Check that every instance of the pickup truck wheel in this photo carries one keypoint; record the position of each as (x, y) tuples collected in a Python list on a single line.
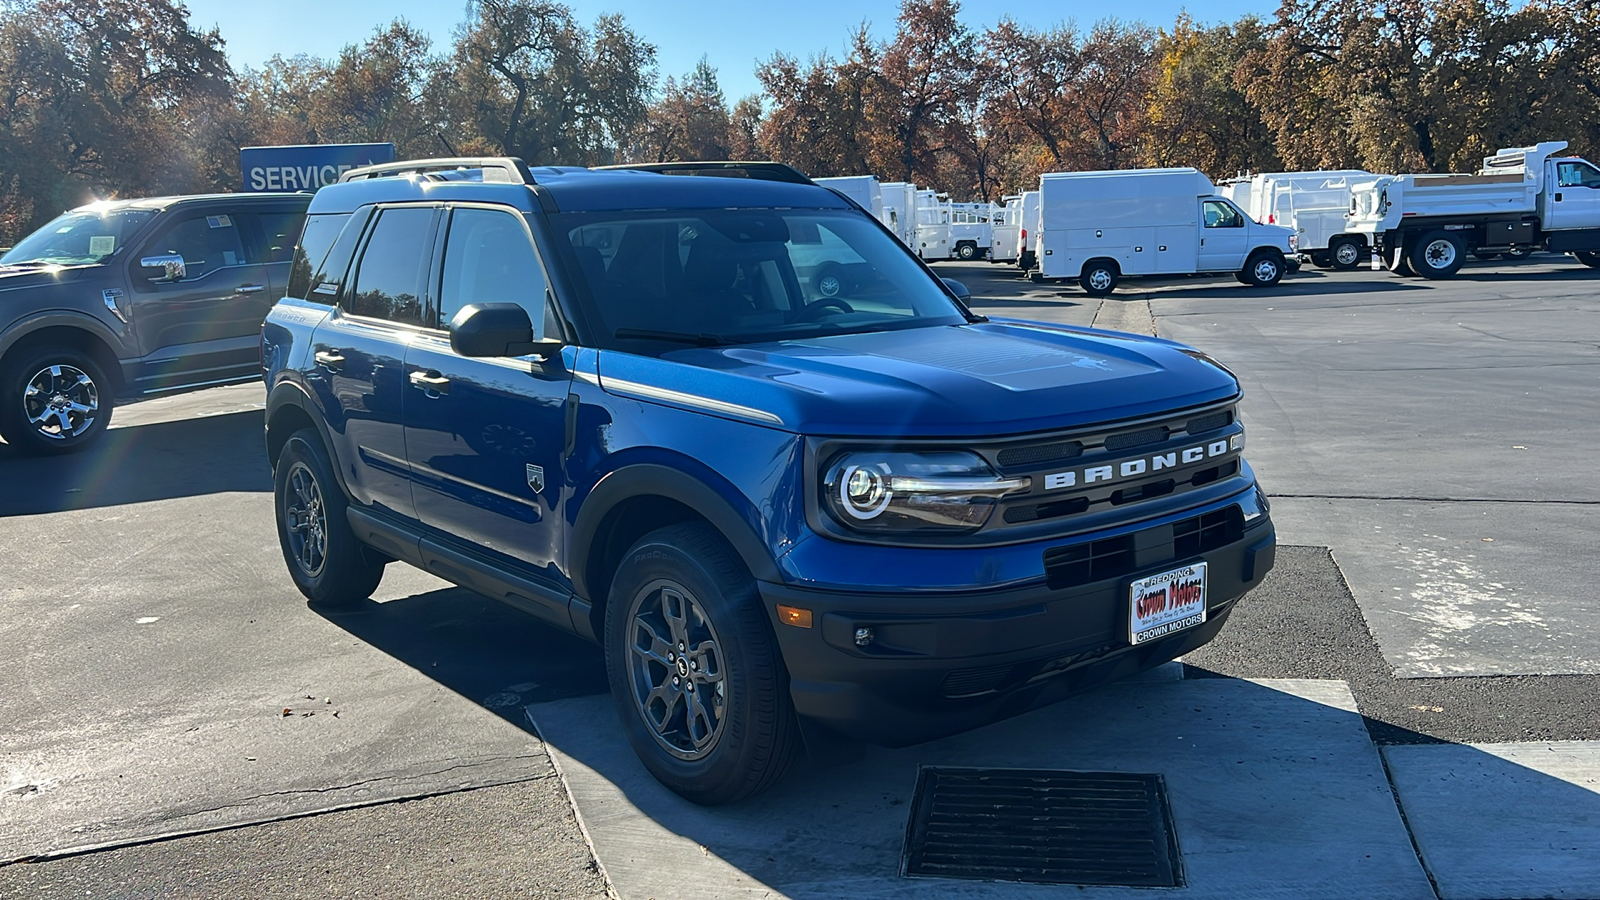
[(1099, 278), (695, 673), (326, 562), (53, 400), (1347, 254), (1264, 268), (1590, 258), (1439, 254)]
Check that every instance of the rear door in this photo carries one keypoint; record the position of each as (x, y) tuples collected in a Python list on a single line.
[(485, 437), (359, 355), (1575, 202), (1224, 239)]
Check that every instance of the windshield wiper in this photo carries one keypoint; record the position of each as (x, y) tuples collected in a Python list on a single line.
[(676, 337)]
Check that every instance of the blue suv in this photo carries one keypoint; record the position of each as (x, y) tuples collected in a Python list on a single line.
[(621, 400)]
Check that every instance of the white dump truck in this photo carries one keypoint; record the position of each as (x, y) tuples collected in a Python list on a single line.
[(1525, 198), (1006, 223), (933, 225), (1316, 205), (1028, 233), (1102, 227), (900, 210)]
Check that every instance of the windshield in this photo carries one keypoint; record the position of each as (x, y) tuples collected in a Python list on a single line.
[(78, 238), (712, 277)]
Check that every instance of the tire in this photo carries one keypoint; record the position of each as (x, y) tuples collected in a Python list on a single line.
[(1264, 268), (1398, 260), (688, 569), (1439, 254), (1347, 254), (53, 400), (1518, 253), (1322, 259), (1590, 258), (1099, 277), (1025, 262), (828, 281), (326, 562), (966, 252)]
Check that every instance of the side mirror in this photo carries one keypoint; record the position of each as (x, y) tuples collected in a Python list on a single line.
[(496, 329), (957, 288), (171, 266)]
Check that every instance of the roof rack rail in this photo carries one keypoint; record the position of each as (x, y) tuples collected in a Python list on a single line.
[(497, 169), (760, 171)]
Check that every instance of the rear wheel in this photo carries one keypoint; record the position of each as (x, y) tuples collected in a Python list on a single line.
[(1347, 254), (1398, 259), (1439, 254), (1590, 258), (53, 400), (695, 672), (967, 251), (1099, 277), (1322, 259), (1264, 268), (327, 563)]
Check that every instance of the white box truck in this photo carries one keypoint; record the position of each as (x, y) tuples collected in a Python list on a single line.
[(1316, 205), (933, 225), (1028, 234), (900, 210), (1006, 225), (1102, 227), (1525, 198), (971, 230), (863, 189)]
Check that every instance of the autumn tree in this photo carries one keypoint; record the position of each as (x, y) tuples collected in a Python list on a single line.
[(1198, 115), (689, 121), (927, 79)]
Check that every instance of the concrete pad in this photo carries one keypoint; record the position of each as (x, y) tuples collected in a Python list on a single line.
[(1275, 789), (1504, 820), (1454, 589)]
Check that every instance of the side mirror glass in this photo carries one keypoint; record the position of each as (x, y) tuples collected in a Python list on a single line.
[(170, 264), (496, 329), (957, 288)]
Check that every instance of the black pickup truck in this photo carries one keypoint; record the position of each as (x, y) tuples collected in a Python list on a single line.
[(128, 298)]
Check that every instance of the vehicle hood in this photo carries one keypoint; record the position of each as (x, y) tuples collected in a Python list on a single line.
[(996, 378), (14, 278)]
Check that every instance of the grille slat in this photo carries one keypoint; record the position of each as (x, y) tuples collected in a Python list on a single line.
[(1042, 826), (1142, 438), (1039, 453)]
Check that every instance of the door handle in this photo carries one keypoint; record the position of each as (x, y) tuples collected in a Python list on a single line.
[(330, 360), (249, 289), (430, 382)]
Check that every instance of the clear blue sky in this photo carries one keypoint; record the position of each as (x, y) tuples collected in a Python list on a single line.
[(733, 34)]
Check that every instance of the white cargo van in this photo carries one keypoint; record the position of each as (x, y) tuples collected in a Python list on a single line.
[(863, 189), (1006, 225), (1028, 233), (1101, 227), (933, 225), (1316, 205), (1525, 198), (900, 210)]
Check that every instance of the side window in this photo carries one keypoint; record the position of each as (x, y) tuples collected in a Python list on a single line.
[(1576, 174), (489, 258), (388, 280), (320, 233), (1222, 215), (206, 243), (280, 229)]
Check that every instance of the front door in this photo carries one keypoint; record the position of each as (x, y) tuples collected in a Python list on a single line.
[(1575, 202), (198, 311), (485, 437), (1224, 239)]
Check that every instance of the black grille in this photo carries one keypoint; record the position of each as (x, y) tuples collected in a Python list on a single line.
[(1043, 827), (966, 682), (1192, 537), (1210, 423), (1143, 438), (1066, 567), (1039, 453)]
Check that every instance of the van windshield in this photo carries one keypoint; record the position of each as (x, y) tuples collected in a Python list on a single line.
[(731, 276), (78, 238)]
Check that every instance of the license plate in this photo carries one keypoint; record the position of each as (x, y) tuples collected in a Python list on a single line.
[(1167, 603)]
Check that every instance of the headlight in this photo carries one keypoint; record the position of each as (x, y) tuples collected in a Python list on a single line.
[(902, 492)]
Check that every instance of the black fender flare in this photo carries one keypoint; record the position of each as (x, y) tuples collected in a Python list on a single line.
[(652, 479), (289, 393), (18, 331)]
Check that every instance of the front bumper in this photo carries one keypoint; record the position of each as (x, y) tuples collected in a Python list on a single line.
[(943, 663)]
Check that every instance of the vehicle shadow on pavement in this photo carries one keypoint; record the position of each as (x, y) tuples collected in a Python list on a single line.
[(1287, 286), (141, 463)]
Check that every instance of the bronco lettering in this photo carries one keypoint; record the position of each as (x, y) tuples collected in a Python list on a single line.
[(1134, 467)]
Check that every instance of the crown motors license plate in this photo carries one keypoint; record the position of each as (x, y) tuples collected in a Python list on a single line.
[(1170, 602)]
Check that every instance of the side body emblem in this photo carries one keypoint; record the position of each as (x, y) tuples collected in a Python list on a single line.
[(536, 477)]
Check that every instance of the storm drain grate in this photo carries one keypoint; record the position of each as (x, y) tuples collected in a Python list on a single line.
[(1042, 826)]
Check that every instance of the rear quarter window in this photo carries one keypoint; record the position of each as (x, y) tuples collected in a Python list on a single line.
[(321, 258)]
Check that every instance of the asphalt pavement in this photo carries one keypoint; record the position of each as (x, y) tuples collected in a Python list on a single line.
[(176, 722)]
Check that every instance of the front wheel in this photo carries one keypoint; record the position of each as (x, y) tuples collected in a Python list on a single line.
[(1099, 278), (1264, 268), (1590, 258), (1347, 254), (695, 672), (53, 400), (1439, 254), (326, 562)]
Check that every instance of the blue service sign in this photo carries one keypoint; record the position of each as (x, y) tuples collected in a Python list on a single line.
[(306, 167)]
